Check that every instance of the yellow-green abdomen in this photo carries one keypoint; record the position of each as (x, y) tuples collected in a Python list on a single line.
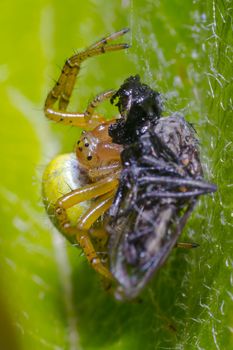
[(62, 175)]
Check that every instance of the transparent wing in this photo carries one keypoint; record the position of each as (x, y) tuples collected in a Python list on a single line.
[(142, 234)]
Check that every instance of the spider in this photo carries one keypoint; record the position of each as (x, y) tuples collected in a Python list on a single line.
[(131, 184), (79, 188)]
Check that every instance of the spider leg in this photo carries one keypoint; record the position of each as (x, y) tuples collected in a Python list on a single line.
[(63, 88), (95, 102), (99, 207), (104, 170), (79, 195), (83, 237), (85, 243), (73, 118), (88, 119), (81, 231), (109, 38), (109, 151), (72, 66)]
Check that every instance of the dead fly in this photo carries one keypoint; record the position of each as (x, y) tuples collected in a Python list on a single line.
[(160, 182)]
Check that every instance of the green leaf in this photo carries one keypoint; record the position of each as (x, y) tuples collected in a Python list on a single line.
[(50, 297)]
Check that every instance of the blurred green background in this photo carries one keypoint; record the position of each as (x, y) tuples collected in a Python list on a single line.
[(49, 297)]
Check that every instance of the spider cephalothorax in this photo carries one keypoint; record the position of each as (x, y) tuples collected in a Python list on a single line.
[(96, 152)]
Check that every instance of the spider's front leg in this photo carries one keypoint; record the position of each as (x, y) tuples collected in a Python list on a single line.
[(63, 88), (104, 190)]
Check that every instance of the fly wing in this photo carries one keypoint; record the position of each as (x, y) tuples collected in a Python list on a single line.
[(160, 182), (142, 237)]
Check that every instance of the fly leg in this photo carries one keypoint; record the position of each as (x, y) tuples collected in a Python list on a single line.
[(186, 245)]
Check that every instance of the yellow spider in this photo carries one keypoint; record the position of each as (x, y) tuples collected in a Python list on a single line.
[(79, 188)]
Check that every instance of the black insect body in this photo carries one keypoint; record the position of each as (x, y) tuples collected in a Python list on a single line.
[(160, 183)]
